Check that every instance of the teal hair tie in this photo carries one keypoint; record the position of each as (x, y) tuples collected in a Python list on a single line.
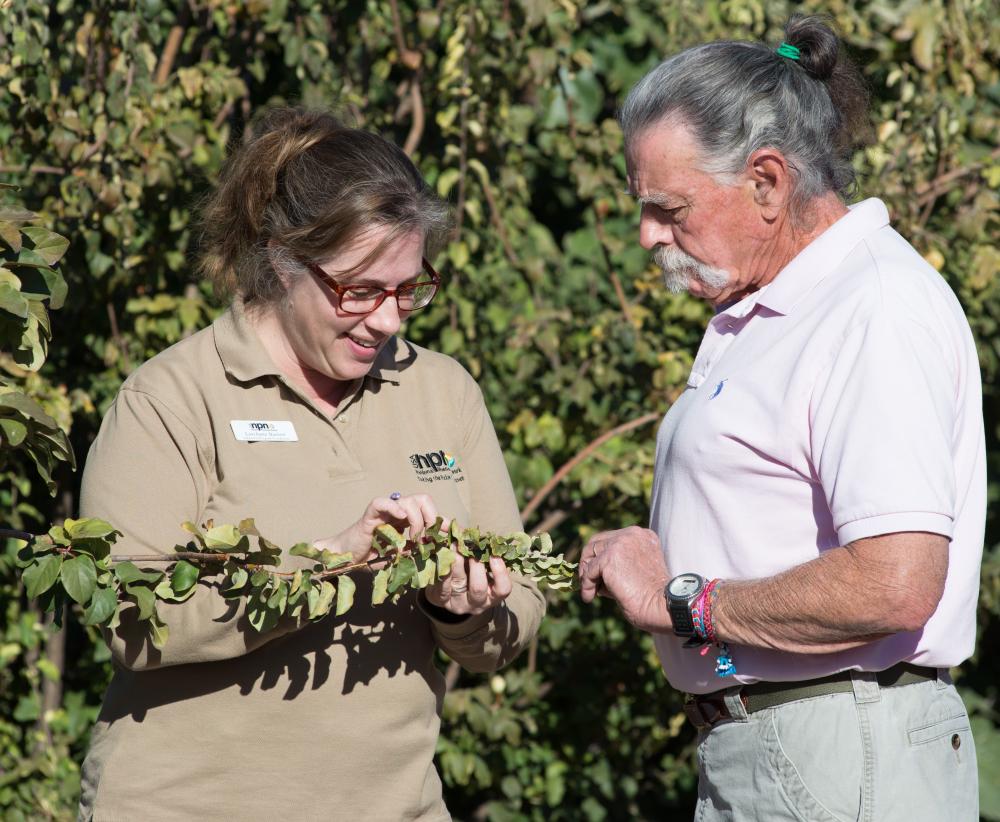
[(789, 51)]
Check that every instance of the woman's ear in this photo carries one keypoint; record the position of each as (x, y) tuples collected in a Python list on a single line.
[(280, 261)]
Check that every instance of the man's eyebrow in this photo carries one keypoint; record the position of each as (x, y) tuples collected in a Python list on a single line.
[(657, 198)]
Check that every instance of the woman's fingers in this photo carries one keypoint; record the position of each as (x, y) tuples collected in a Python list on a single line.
[(479, 585), (502, 584)]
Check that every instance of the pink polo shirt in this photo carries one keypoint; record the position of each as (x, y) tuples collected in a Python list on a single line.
[(841, 401)]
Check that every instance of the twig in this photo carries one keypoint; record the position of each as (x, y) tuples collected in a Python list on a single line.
[(615, 281), (561, 474), (13, 533), (117, 337), (451, 675), (928, 192), (417, 123), (170, 50), (35, 169), (407, 56), (498, 224), (463, 164)]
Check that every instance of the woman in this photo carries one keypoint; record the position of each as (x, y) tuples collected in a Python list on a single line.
[(319, 231)]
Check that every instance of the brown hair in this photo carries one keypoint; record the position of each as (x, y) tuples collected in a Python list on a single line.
[(306, 184)]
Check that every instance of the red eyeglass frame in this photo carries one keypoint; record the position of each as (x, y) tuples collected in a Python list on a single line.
[(340, 290)]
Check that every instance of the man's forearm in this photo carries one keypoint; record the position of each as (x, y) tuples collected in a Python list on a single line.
[(844, 598)]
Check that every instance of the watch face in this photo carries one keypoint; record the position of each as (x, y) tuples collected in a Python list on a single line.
[(685, 585)]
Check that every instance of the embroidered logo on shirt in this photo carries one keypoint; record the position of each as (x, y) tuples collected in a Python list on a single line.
[(718, 389), (435, 466)]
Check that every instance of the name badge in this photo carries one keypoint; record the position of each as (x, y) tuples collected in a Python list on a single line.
[(264, 430)]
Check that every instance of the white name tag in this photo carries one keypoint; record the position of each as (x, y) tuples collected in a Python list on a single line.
[(264, 430)]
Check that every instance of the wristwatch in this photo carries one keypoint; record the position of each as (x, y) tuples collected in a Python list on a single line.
[(681, 593)]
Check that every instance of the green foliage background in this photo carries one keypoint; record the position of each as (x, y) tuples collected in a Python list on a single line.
[(115, 119)]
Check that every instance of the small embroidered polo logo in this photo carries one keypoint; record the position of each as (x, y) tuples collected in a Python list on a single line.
[(718, 389), (435, 466)]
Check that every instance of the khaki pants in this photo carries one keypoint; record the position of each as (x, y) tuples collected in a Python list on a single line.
[(875, 755)]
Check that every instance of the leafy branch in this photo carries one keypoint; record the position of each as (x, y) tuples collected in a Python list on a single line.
[(75, 562)]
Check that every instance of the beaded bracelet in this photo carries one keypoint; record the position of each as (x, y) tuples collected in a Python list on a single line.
[(724, 665)]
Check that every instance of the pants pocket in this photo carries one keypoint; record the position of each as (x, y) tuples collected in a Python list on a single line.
[(946, 727), (816, 754)]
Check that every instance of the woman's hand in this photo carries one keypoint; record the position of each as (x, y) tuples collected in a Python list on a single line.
[(468, 590), (415, 512)]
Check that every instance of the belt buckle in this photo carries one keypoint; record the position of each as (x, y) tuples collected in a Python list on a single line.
[(702, 713)]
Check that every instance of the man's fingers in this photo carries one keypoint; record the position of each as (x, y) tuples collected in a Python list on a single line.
[(590, 578)]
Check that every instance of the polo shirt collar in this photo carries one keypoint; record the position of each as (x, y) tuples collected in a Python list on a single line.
[(245, 358), (823, 255), (240, 349)]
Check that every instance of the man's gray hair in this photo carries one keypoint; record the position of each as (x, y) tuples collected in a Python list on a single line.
[(738, 97)]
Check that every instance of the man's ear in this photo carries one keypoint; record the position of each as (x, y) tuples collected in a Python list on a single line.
[(771, 176)]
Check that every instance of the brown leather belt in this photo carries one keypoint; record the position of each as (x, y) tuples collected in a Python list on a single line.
[(707, 710)]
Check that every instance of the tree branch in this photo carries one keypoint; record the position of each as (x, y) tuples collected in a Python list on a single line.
[(174, 40), (928, 192), (417, 124), (562, 473)]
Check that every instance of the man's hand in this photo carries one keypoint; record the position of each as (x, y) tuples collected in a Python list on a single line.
[(628, 566)]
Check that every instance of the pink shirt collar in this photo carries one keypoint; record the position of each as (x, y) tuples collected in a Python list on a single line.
[(821, 256)]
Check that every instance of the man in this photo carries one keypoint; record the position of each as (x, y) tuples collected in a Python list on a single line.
[(819, 499)]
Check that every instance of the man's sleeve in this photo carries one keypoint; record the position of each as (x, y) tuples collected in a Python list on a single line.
[(882, 418), (147, 473), (490, 640)]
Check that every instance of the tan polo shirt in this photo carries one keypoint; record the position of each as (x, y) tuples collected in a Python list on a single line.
[(334, 720)]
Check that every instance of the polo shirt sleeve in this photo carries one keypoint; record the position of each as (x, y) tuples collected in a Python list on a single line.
[(146, 473), (882, 422), (490, 640)]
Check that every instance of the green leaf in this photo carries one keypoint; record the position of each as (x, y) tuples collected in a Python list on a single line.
[(320, 604), (89, 528), (10, 235), (158, 631), (304, 549), (445, 559), (48, 245), (14, 431), (127, 572), (38, 578), (28, 709), (345, 594), (183, 577), (388, 537), (426, 574), (29, 408), (48, 669), (79, 578), (331, 560), (102, 607), (195, 531), (402, 573), (145, 599), (238, 580), (13, 301), (380, 587), (222, 538)]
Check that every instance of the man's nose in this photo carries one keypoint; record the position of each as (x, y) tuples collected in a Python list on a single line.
[(653, 230)]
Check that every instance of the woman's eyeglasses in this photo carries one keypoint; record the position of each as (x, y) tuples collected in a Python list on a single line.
[(363, 299)]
